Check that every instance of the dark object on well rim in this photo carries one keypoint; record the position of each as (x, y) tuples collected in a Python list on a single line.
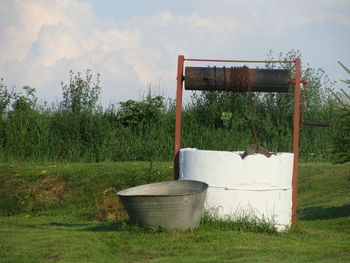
[(253, 149)]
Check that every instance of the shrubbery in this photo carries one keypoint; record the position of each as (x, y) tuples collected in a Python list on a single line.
[(341, 136), (79, 129)]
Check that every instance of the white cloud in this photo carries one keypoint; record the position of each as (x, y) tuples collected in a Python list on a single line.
[(21, 21), (42, 40)]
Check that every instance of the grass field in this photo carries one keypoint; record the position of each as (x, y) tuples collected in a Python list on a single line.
[(69, 213)]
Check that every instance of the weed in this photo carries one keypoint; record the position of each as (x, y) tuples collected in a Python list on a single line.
[(243, 220)]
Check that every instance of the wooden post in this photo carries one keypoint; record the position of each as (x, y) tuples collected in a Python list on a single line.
[(296, 140), (177, 145)]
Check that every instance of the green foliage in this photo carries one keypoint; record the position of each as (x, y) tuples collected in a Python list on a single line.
[(81, 94), (80, 137), (341, 136), (21, 126), (78, 129), (5, 100), (17, 100), (314, 141), (244, 221), (25, 102), (6, 96), (138, 113)]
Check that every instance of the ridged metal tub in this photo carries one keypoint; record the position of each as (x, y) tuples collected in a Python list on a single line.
[(171, 204)]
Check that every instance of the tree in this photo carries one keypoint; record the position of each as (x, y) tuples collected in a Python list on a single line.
[(81, 94), (138, 113), (24, 102), (341, 138), (6, 96)]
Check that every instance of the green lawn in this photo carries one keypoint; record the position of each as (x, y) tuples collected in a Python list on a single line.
[(69, 213)]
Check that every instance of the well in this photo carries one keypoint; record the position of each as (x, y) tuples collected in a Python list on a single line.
[(257, 186), (273, 197)]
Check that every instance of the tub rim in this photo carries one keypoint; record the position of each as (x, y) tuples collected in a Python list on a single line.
[(202, 189)]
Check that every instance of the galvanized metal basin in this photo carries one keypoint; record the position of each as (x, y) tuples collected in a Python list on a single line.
[(171, 204)]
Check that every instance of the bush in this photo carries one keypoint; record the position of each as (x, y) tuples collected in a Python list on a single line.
[(341, 137), (78, 129), (81, 94), (138, 113)]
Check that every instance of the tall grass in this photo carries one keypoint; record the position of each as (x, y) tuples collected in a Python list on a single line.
[(79, 130), (94, 137)]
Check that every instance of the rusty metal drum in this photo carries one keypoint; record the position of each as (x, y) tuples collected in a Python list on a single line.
[(236, 79)]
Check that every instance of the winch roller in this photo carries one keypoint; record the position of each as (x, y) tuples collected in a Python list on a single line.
[(236, 79)]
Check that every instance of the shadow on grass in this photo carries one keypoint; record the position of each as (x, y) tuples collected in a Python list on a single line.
[(124, 225), (324, 213), (66, 225), (120, 225)]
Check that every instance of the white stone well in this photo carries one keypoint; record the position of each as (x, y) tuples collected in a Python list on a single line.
[(257, 185)]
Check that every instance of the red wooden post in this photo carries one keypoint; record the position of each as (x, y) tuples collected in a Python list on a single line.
[(180, 68), (296, 140)]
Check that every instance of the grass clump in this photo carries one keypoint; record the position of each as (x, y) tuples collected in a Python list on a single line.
[(243, 221)]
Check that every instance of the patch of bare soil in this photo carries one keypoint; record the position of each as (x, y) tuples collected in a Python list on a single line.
[(49, 189), (109, 207)]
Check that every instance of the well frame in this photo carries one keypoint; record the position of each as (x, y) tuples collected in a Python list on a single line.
[(296, 120)]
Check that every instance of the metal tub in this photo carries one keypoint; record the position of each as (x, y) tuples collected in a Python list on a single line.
[(171, 204)]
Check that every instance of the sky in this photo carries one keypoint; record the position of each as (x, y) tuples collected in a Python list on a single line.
[(134, 45)]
